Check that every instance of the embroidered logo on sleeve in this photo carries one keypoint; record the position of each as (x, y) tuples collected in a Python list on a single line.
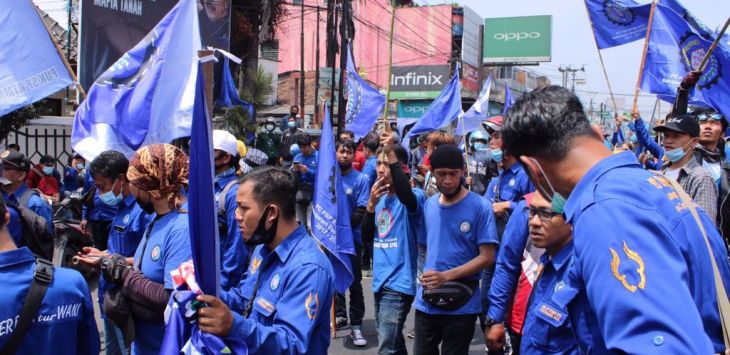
[(635, 257), (312, 305)]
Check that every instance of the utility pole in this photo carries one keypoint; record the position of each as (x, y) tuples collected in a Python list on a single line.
[(569, 74), (332, 48), (301, 68), (344, 40), (316, 71)]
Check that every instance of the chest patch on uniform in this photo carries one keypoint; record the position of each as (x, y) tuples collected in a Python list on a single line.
[(559, 285), (348, 191), (255, 263), (265, 304), (552, 315), (275, 282), (125, 219), (155, 254), (385, 222), (311, 305), (465, 227), (511, 182)]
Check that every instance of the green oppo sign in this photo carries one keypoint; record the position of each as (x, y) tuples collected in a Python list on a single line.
[(517, 39)]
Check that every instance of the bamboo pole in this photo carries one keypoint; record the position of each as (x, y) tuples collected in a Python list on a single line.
[(390, 68), (635, 106)]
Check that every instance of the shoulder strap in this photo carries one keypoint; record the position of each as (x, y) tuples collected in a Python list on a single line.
[(25, 197), (222, 196), (722, 298), (41, 279)]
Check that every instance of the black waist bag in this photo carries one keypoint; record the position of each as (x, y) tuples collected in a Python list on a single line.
[(451, 295)]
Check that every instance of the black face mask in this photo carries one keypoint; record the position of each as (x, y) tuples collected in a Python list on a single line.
[(345, 167), (261, 235), (146, 207), (456, 192)]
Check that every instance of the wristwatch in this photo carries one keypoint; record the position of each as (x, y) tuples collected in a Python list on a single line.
[(490, 322)]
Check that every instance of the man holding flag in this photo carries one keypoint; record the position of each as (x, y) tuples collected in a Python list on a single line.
[(283, 305)]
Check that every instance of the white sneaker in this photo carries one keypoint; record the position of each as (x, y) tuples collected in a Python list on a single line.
[(357, 338)]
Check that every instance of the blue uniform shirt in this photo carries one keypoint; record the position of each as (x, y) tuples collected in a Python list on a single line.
[(453, 236), (358, 193), (641, 264), (65, 321), (369, 170), (165, 247), (291, 309), (36, 203), (14, 227), (311, 162), (70, 179), (100, 211), (643, 137), (545, 331), (234, 253), (394, 247), (510, 185), (509, 258)]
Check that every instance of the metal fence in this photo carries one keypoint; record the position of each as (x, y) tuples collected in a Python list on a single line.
[(37, 142)]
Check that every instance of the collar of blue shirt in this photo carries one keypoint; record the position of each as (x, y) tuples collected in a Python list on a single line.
[(14, 257), (560, 258), (289, 243), (129, 200), (585, 184)]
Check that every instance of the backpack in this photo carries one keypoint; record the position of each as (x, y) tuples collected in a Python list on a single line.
[(222, 211), (35, 233)]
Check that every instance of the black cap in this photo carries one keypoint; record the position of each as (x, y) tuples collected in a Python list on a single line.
[(447, 156), (682, 123), (15, 160)]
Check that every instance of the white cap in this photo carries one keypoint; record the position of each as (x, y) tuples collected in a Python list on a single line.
[(223, 140)]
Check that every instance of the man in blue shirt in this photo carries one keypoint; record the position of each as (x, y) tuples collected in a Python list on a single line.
[(64, 323), (369, 169), (358, 193), (73, 174), (283, 306), (109, 171), (461, 239), (233, 253), (96, 217), (642, 280), (305, 166), (543, 333), (394, 213), (15, 169)]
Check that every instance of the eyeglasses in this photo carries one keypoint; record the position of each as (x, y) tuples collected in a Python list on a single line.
[(709, 116), (544, 214)]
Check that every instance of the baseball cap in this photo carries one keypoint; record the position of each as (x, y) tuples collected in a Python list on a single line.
[(15, 160), (493, 124), (225, 141), (682, 123)]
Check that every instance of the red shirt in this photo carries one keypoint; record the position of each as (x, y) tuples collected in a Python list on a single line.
[(359, 161)]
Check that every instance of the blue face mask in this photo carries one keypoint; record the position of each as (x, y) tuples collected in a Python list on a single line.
[(80, 166), (478, 146), (676, 154), (109, 198), (48, 170), (557, 201), (497, 155), (633, 139), (291, 124)]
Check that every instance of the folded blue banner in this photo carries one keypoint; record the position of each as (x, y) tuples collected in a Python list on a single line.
[(204, 242), (617, 22), (228, 95), (331, 220), (364, 103), (444, 108), (508, 100), (675, 48), (30, 67), (478, 112), (147, 95)]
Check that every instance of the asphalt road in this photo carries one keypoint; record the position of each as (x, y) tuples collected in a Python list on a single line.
[(342, 344)]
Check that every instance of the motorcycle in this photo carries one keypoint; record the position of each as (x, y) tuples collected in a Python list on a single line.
[(69, 239)]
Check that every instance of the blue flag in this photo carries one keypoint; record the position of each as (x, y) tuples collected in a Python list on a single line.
[(204, 242), (444, 109), (330, 219), (30, 67), (364, 103), (478, 112), (617, 22), (675, 48), (228, 96), (508, 101), (147, 95)]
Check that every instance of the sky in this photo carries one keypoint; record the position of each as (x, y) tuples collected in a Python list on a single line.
[(573, 44)]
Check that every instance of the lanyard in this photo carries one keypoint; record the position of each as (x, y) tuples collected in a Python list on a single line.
[(249, 305), (145, 239)]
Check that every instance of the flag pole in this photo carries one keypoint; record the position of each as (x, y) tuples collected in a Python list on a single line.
[(390, 68), (635, 106), (714, 44), (60, 52), (600, 57), (466, 149)]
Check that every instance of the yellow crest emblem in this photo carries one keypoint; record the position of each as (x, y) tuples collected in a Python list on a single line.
[(631, 255), (312, 305), (255, 263)]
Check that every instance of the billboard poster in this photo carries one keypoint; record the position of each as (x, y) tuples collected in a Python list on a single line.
[(515, 40), (471, 39), (418, 81), (109, 28)]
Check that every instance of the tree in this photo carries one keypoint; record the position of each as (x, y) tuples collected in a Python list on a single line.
[(20, 117), (261, 87)]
